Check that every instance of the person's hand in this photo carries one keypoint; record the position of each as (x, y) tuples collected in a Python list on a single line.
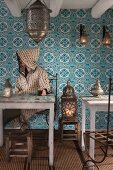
[(44, 93)]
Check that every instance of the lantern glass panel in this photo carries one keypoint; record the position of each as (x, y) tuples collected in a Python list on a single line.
[(69, 109)]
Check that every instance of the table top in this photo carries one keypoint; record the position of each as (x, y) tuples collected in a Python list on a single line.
[(90, 98), (32, 98), (97, 100)]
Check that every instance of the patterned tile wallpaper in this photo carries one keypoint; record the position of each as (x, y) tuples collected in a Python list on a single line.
[(61, 52)]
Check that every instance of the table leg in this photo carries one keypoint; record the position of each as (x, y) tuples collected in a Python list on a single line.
[(92, 142), (1, 128), (83, 125), (51, 135)]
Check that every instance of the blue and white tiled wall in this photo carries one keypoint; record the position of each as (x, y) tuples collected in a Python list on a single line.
[(61, 52)]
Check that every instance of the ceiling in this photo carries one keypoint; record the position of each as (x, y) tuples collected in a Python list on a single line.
[(98, 7)]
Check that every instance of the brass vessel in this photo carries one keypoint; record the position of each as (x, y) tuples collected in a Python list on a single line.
[(97, 90), (68, 90)]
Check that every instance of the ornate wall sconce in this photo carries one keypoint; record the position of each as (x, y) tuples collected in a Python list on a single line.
[(106, 37), (38, 17), (83, 35)]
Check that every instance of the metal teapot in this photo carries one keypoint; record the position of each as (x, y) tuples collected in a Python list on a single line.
[(97, 90)]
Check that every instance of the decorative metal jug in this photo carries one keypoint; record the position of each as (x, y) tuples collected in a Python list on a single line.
[(97, 90), (7, 88)]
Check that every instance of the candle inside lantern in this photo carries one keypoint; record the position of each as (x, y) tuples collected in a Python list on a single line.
[(69, 113), (69, 110)]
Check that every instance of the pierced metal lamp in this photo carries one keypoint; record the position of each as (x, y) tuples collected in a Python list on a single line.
[(38, 18)]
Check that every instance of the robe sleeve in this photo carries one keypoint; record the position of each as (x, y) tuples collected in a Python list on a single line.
[(44, 81), (21, 84)]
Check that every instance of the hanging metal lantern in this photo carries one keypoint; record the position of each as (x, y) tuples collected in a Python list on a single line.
[(68, 102), (38, 18)]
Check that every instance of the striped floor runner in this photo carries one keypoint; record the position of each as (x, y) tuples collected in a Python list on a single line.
[(66, 157)]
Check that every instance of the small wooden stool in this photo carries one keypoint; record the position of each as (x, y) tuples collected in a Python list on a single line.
[(69, 134), (19, 144)]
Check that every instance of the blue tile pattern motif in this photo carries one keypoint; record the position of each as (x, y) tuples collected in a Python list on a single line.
[(95, 28), (61, 52)]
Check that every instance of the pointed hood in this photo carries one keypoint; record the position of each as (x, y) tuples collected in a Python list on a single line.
[(29, 57)]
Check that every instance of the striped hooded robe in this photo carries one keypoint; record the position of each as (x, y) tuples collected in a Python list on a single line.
[(36, 80)]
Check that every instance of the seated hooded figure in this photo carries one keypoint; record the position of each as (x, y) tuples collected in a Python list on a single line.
[(32, 79)]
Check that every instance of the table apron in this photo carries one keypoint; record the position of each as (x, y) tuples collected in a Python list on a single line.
[(26, 105)]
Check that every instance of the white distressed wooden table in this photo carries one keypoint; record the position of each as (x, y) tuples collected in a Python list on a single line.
[(31, 102), (94, 104)]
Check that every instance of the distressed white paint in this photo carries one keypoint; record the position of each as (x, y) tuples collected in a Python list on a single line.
[(14, 7), (98, 6), (78, 4), (31, 102), (94, 104), (101, 7), (55, 6)]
